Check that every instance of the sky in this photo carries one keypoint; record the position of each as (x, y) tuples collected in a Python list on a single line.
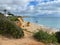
[(31, 7)]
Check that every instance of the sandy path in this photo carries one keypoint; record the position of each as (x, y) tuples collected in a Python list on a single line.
[(26, 40)]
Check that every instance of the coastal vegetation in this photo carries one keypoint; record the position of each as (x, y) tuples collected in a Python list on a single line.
[(58, 36), (13, 18), (9, 28), (45, 37)]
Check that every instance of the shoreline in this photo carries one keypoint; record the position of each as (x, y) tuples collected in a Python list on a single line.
[(43, 26), (48, 22), (50, 28)]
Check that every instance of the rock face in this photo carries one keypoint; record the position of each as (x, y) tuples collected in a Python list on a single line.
[(21, 23)]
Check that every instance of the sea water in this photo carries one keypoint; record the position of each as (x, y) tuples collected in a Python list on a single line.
[(53, 22)]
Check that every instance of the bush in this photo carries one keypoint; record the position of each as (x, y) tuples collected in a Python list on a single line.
[(13, 18), (58, 36), (9, 28), (45, 37)]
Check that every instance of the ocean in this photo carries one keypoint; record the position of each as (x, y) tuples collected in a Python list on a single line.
[(53, 22)]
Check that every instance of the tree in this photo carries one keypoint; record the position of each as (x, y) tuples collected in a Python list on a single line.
[(9, 13), (5, 11), (58, 36)]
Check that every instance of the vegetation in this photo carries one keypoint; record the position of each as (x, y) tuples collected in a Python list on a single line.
[(58, 36), (5, 11), (13, 18), (45, 37), (9, 28), (9, 13)]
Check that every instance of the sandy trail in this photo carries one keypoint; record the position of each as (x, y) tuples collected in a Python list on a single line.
[(26, 40)]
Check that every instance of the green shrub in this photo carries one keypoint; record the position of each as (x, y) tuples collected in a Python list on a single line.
[(45, 37), (58, 36), (13, 18), (9, 28)]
